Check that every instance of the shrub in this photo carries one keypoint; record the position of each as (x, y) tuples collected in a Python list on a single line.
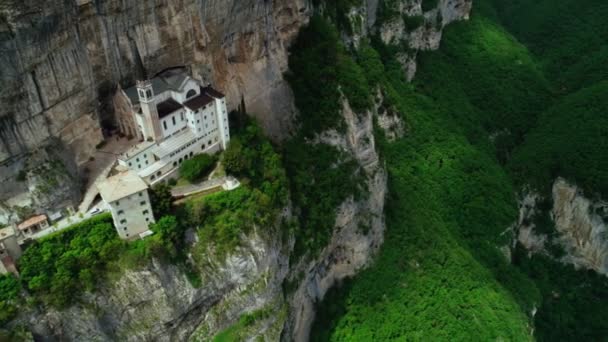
[(196, 167), (413, 22), (428, 5), (161, 200), (60, 267)]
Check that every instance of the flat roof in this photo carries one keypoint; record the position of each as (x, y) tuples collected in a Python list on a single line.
[(121, 186), (6, 232), (152, 168), (31, 221), (199, 101), (173, 143), (137, 149), (167, 107)]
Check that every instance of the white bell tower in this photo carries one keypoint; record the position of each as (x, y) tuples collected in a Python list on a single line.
[(151, 126)]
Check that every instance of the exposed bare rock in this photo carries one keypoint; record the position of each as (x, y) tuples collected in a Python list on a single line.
[(351, 247), (581, 223), (426, 35), (580, 227), (62, 60), (526, 235), (158, 303)]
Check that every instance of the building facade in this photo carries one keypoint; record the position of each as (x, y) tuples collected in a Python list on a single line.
[(10, 251), (175, 117), (126, 195), (33, 225)]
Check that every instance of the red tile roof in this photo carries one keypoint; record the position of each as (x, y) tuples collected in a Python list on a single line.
[(198, 102), (31, 221), (167, 107)]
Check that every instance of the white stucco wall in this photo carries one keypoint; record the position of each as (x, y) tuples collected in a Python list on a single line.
[(132, 215), (169, 127)]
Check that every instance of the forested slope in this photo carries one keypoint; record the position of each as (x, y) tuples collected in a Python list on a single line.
[(494, 110)]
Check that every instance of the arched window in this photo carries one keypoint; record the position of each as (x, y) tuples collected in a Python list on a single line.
[(190, 93)]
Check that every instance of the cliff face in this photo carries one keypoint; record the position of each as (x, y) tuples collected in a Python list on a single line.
[(62, 60), (158, 302), (352, 248), (59, 56), (419, 28), (580, 227), (241, 47)]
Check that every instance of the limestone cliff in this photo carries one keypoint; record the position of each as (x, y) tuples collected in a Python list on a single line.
[(409, 23), (241, 47), (62, 60), (157, 302), (351, 247), (579, 227)]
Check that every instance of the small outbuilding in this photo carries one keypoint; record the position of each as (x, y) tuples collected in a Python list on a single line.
[(10, 251), (126, 194), (32, 226)]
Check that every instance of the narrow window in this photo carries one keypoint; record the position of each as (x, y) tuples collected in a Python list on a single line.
[(182, 115), (173, 119), (165, 125), (141, 194)]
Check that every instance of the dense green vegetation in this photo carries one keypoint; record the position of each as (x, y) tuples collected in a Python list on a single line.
[(238, 331), (321, 70), (195, 168), (487, 115), (9, 297), (570, 141), (59, 267), (568, 40), (223, 218), (320, 176)]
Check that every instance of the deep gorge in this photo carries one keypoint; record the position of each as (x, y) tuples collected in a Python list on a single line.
[(436, 170)]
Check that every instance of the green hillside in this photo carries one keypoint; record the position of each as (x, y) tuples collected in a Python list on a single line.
[(492, 110)]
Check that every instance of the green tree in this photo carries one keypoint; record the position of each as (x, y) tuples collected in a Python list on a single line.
[(161, 200), (198, 166), (235, 160)]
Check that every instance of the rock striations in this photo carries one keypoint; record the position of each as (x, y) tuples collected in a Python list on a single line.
[(61, 62), (65, 56)]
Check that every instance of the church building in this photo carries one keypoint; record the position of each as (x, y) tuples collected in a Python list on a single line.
[(174, 117)]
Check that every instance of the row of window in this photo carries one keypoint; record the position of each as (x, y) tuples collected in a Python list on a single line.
[(140, 194)]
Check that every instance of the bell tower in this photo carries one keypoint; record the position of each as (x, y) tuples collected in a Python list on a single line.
[(151, 127)]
